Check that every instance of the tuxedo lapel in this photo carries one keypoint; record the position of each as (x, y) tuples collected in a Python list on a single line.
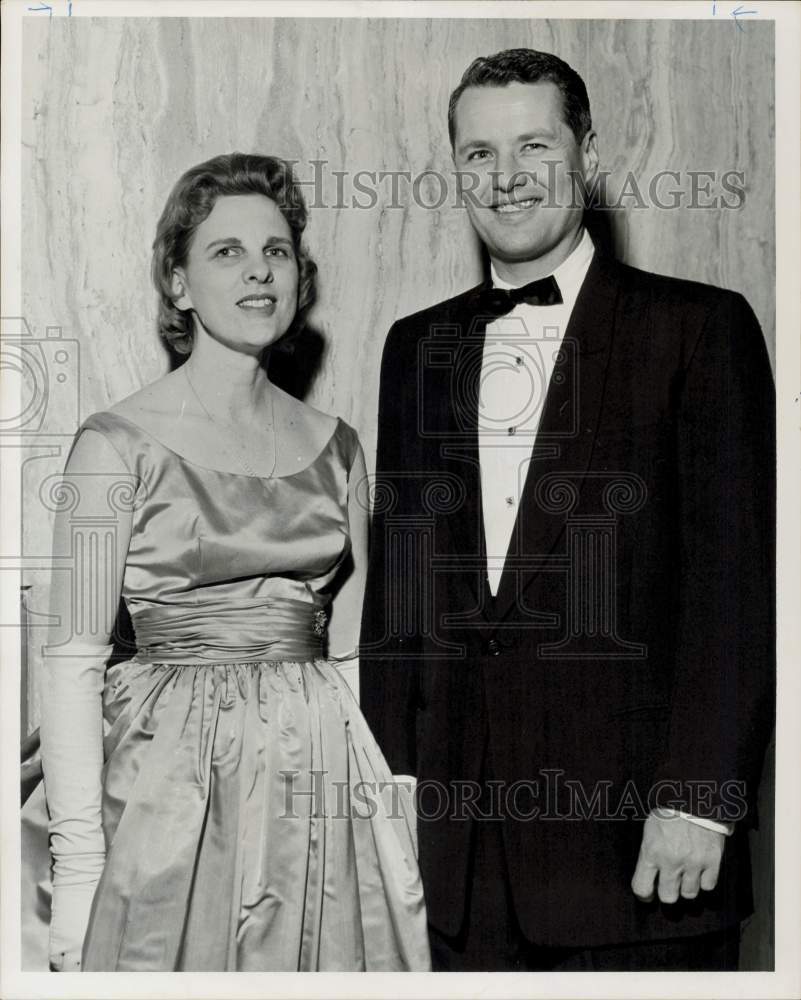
[(567, 429), (453, 371)]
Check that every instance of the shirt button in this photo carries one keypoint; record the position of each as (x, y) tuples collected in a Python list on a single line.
[(494, 647), (510, 501), (511, 430)]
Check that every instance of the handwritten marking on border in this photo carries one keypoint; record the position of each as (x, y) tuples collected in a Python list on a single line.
[(49, 8), (736, 13)]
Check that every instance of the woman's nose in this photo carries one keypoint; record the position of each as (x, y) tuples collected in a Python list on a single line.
[(258, 269)]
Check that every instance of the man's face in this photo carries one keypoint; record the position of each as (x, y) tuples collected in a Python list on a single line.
[(521, 199)]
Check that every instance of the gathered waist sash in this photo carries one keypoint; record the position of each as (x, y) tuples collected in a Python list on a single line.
[(230, 632)]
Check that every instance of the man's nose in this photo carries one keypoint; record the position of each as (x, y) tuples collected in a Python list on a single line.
[(509, 174)]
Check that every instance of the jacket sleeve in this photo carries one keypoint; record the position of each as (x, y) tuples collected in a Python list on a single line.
[(724, 681), (388, 671)]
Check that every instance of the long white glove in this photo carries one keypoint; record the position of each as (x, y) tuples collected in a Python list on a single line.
[(72, 761)]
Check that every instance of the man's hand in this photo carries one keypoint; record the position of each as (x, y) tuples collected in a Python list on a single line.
[(680, 856)]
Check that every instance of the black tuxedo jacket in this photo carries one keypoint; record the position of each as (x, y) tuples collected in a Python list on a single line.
[(628, 659)]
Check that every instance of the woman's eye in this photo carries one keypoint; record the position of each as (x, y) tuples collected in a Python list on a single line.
[(227, 252), (276, 251)]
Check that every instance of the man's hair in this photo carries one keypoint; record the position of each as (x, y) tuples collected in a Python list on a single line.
[(527, 66), (190, 202)]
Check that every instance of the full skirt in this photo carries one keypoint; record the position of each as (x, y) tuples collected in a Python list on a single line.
[(252, 824)]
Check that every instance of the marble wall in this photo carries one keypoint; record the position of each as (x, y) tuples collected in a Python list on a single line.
[(115, 109)]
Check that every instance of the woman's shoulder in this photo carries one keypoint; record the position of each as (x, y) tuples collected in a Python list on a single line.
[(124, 426), (155, 402), (325, 428), (148, 413), (314, 422)]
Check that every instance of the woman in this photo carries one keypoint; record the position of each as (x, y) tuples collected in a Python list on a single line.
[(248, 821)]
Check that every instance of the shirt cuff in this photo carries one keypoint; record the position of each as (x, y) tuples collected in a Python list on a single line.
[(727, 829)]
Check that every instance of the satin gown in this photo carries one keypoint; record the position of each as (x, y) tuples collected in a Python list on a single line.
[(250, 819)]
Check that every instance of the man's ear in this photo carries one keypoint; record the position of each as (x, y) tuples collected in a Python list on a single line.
[(589, 155), (180, 295)]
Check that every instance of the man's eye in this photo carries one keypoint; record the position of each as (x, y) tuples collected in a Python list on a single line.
[(534, 145), (478, 154)]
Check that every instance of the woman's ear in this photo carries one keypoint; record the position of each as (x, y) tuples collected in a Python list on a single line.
[(180, 294)]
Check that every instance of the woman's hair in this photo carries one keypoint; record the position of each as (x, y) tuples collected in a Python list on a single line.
[(191, 201)]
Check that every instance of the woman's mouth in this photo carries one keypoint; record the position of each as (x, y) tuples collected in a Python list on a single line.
[(264, 303)]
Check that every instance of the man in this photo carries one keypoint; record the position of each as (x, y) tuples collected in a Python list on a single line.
[(568, 633)]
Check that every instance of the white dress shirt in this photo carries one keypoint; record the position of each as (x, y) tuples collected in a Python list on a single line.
[(517, 364)]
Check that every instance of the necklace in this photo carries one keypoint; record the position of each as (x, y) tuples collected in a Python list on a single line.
[(232, 437)]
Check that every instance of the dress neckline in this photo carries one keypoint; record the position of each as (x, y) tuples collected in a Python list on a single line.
[(222, 472)]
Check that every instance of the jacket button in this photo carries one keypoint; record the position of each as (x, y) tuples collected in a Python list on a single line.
[(494, 647)]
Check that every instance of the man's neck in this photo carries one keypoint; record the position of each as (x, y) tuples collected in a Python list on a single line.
[(522, 272)]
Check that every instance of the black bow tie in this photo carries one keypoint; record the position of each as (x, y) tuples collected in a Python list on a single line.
[(499, 301)]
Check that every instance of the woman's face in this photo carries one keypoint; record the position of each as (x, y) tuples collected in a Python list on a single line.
[(240, 278)]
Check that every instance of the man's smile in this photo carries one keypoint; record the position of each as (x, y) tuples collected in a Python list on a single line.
[(512, 207)]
